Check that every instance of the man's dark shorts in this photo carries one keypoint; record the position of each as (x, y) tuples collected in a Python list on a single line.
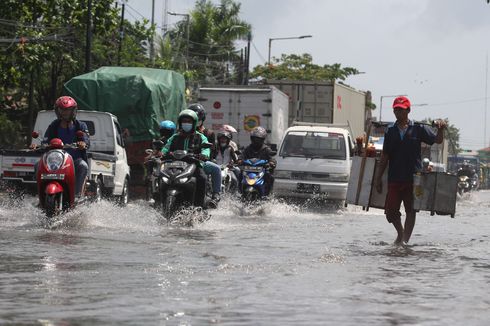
[(398, 192)]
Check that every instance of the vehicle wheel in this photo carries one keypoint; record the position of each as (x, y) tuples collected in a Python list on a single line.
[(124, 198), (52, 204), (97, 197), (168, 207)]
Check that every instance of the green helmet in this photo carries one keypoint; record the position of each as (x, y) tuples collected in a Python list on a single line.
[(187, 114)]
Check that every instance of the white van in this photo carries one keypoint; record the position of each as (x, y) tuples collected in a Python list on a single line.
[(314, 161)]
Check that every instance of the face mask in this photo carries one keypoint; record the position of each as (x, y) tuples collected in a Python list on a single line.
[(187, 127), (223, 144)]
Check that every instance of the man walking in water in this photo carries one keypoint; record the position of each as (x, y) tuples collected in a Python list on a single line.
[(401, 149)]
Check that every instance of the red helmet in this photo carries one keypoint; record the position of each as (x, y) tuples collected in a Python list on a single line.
[(65, 103)]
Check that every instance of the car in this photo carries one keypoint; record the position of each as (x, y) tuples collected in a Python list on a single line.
[(314, 161)]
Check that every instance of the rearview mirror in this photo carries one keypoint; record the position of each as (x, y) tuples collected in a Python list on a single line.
[(273, 153), (35, 134), (80, 134)]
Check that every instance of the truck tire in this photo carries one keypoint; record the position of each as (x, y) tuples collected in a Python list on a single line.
[(124, 197), (98, 186)]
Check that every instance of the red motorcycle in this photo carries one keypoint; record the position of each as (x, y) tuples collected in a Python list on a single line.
[(56, 178)]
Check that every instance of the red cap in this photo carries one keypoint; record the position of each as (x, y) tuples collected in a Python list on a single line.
[(401, 102)]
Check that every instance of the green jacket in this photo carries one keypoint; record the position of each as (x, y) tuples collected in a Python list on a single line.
[(185, 141)]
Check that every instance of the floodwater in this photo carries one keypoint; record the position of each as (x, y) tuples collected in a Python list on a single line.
[(284, 266)]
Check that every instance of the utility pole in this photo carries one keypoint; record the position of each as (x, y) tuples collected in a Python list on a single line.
[(247, 60), (88, 40), (121, 33), (152, 41), (485, 140)]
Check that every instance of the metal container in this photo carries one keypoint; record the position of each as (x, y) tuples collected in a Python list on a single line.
[(363, 193), (435, 192)]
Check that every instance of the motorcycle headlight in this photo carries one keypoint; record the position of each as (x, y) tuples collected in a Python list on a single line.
[(165, 179), (54, 160), (251, 181), (183, 180)]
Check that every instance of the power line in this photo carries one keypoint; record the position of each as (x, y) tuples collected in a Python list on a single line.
[(258, 52)]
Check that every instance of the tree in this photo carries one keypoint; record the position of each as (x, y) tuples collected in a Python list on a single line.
[(45, 47), (301, 67), (213, 30), (451, 134)]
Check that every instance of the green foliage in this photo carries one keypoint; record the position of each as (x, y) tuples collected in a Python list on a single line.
[(301, 67), (51, 49), (10, 133), (451, 134), (211, 52)]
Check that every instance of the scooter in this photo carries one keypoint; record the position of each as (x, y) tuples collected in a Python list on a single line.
[(56, 181), (153, 164), (253, 183), (229, 181), (177, 184), (464, 184)]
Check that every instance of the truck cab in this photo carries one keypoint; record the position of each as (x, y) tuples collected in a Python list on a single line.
[(107, 159), (314, 161)]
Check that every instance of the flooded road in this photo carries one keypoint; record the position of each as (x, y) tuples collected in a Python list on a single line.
[(284, 267)]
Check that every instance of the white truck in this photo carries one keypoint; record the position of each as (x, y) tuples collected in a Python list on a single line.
[(314, 161), (108, 167), (245, 108)]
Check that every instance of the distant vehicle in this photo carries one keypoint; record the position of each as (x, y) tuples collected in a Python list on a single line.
[(246, 108), (314, 160)]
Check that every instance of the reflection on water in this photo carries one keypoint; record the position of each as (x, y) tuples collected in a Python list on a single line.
[(276, 264)]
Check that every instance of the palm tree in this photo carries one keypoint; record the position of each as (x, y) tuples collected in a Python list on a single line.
[(211, 49)]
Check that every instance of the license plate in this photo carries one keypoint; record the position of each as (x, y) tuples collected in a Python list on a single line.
[(308, 188), (254, 169), (46, 176), (173, 165)]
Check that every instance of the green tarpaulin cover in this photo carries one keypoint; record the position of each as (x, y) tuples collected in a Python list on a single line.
[(139, 97)]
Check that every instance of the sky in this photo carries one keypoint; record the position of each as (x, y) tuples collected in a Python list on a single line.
[(433, 51)]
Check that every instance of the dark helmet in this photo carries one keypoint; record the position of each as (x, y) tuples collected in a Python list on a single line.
[(65, 103), (199, 109), (188, 114), (259, 132), (167, 128), (257, 136)]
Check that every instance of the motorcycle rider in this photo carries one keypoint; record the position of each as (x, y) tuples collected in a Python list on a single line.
[(188, 138), (467, 170), (258, 149), (210, 168), (65, 127), (166, 129), (226, 155)]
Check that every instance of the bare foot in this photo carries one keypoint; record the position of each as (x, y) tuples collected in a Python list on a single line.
[(398, 240)]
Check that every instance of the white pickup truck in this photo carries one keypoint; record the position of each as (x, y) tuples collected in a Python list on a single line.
[(108, 167), (314, 161)]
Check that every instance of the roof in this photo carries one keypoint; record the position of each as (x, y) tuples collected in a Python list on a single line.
[(318, 129), (486, 149)]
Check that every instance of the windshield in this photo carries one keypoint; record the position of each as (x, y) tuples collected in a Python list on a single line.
[(314, 145)]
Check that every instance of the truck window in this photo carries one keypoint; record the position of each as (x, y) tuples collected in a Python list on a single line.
[(314, 145), (119, 139), (90, 126)]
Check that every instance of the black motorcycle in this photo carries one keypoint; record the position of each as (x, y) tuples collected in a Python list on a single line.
[(177, 183)]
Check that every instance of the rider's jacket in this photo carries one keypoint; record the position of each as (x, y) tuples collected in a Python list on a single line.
[(188, 142), (225, 155), (263, 153), (68, 136)]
